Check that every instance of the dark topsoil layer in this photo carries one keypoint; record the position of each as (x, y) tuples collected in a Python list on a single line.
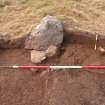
[(64, 87)]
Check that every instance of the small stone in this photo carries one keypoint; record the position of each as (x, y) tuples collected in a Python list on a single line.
[(37, 56), (52, 51), (101, 50)]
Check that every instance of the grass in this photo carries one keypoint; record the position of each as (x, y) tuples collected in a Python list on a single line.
[(4, 3), (17, 17)]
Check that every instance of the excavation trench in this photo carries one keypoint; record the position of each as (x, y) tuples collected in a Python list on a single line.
[(78, 49), (74, 87)]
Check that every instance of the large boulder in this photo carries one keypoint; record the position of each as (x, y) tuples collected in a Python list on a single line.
[(48, 32)]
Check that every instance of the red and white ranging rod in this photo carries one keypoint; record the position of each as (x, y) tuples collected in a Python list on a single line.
[(55, 67)]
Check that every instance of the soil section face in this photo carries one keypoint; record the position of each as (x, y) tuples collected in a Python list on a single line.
[(74, 87)]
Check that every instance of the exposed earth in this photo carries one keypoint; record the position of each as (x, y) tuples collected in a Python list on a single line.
[(74, 87)]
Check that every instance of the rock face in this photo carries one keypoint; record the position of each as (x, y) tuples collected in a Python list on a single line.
[(48, 32), (37, 56)]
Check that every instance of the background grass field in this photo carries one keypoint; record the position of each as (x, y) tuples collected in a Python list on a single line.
[(17, 17)]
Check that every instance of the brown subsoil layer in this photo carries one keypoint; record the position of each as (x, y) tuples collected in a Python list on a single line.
[(64, 87)]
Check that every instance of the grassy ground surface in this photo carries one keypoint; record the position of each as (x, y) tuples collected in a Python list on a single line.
[(17, 17)]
